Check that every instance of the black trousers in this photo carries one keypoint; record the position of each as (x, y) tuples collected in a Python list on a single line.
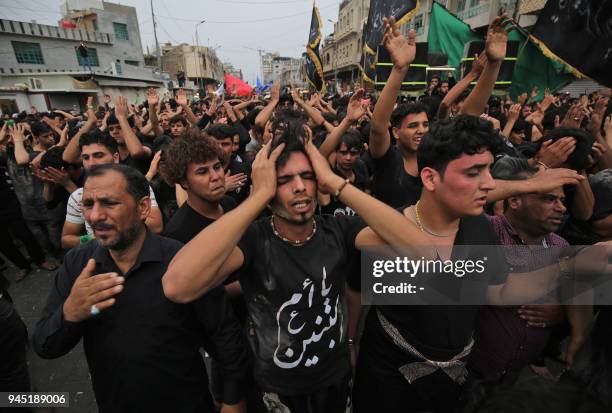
[(19, 229), (380, 387), (332, 399), (13, 346)]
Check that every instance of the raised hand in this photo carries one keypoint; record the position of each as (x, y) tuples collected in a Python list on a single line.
[(18, 132), (275, 92), (152, 98), (89, 290), (263, 172), (181, 97), (478, 64), (121, 107), (106, 99), (552, 178), (328, 182), (497, 39), (355, 109), (554, 154), (514, 112), (401, 50)]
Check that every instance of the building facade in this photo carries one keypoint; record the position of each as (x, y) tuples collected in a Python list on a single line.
[(283, 69), (41, 65), (231, 70), (341, 51), (199, 64)]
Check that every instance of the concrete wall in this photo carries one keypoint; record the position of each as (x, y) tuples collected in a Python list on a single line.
[(130, 49)]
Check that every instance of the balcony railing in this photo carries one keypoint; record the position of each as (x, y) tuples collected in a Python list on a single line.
[(52, 32)]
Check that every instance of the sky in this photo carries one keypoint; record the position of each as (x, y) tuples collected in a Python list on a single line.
[(235, 28)]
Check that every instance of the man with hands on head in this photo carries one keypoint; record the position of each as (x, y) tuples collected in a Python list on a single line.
[(280, 280), (142, 349)]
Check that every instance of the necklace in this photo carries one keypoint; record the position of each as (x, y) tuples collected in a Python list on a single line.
[(295, 243), (417, 218)]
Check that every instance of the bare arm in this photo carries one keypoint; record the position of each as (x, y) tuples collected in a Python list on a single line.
[(153, 102), (353, 113), (584, 200), (266, 113), (402, 52), (312, 113), (452, 95), (495, 49), (72, 153), (154, 221), (71, 234), (181, 99), (545, 180), (133, 144), (21, 154)]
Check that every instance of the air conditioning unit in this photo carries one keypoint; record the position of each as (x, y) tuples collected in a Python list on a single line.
[(36, 83), (116, 68)]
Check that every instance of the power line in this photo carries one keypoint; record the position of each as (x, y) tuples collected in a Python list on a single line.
[(246, 21)]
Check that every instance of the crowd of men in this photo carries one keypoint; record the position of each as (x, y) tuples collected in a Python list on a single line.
[(234, 225)]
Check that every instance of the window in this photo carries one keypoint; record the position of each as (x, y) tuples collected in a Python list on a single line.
[(474, 3), (93, 57), (461, 5), (29, 53), (132, 62), (94, 22), (418, 24), (121, 32)]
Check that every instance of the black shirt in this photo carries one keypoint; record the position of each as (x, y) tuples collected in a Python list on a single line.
[(440, 332), (337, 207), (143, 352), (187, 222), (392, 184), (295, 299)]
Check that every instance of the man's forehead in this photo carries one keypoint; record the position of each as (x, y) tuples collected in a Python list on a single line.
[(297, 163), (95, 147), (111, 183)]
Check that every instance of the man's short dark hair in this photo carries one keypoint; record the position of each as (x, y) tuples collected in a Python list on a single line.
[(405, 109), (579, 158), (510, 168), (39, 128), (53, 158), (178, 118), (352, 140), (294, 136), (447, 140), (221, 131), (112, 120), (136, 183), (186, 150), (99, 139)]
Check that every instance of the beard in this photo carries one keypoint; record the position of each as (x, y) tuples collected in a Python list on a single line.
[(301, 219), (123, 239)]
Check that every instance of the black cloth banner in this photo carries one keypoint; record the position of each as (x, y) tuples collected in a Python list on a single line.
[(373, 32), (313, 68), (579, 34)]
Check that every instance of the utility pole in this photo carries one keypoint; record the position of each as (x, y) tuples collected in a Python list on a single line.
[(159, 57)]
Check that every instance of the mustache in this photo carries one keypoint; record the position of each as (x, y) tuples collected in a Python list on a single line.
[(101, 226)]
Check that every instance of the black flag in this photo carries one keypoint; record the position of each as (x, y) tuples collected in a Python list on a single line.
[(373, 32), (579, 36), (314, 69)]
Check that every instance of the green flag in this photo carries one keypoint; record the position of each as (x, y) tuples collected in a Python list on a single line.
[(448, 34), (534, 69)]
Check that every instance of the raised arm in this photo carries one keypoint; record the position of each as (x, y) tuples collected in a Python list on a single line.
[(72, 153), (266, 113), (402, 52), (181, 100), (513, 115), (452, 95), (21, 154), (312, 113), (133, 144), (354, 112), (495, 49), (153, 102), (210, 257)]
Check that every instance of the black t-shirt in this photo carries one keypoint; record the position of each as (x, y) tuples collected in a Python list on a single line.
[(337, 207), (440, 332), (295, 299), (165, 195), (186, 223), (392, 184)]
